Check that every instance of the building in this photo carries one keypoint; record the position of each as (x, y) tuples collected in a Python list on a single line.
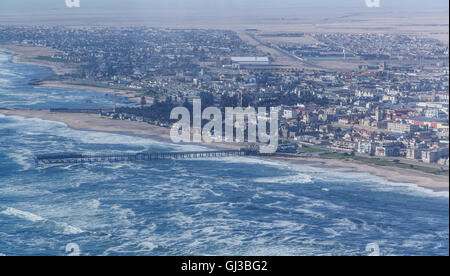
[(435, 114), (249, 61), (344, 145), (430, 122), (290, 113), (443, 162), (413, 153), (429, 156), (379, 114), (310, 118), (365, 147), (401, 128), (387, 149)]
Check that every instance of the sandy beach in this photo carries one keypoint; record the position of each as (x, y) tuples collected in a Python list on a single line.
[(393, 174), (92, 122), (130, 95), (29, 55), (80, 121)]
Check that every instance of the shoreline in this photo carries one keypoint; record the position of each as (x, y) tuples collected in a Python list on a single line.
[(91, 122), (23, 55), (28, 54), (435, 183), (131, 96)]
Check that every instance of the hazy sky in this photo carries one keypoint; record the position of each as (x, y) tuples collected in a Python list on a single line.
[(217, 6), (213, 13)]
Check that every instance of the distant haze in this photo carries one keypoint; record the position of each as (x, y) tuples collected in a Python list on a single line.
[(231, 14), (218, 6)]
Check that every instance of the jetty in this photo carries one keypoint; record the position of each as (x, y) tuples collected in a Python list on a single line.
[(67, 158)]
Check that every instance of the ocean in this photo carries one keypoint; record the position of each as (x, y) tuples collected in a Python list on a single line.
[(216, 206)]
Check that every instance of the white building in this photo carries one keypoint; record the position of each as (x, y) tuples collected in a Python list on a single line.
[(401, 128), (290, 113), (252, 61), (366, 147)]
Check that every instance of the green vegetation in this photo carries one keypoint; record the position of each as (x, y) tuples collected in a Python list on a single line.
[(310, 149), (379, 162)]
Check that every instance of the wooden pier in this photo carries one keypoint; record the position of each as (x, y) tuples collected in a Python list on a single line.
[(80, 158)]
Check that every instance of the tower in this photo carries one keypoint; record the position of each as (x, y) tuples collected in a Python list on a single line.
[(378, 114), (433, 96), (115, 102)]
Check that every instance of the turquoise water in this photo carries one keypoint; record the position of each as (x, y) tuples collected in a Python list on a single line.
[(230, 206)]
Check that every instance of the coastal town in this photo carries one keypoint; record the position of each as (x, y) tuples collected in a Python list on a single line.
[(224, 128), (374, 97)]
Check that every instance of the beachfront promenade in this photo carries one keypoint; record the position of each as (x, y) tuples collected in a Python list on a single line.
[(81, 158)]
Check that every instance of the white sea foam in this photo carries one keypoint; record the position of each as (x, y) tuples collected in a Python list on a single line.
[(8, 73), (32, 124), (70, 230), (148, 245), (214, 193), (332, 233), (122, 213), (94, 204), (141, 245), (252, 160), (59, 227), (280, 194), (191, 147), (39, 126), (22, 157), (346, 224), (413, 189), (4, 83), (4, 57), (297, 178), (22, 214), (340, 175), (382, 184), (91, 137), (305, 209), (309, 212), (9, 188), (375, 182), (320, 204)]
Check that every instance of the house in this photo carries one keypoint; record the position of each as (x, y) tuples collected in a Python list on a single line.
[(387, 149), (430, 156), (366, 147)]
